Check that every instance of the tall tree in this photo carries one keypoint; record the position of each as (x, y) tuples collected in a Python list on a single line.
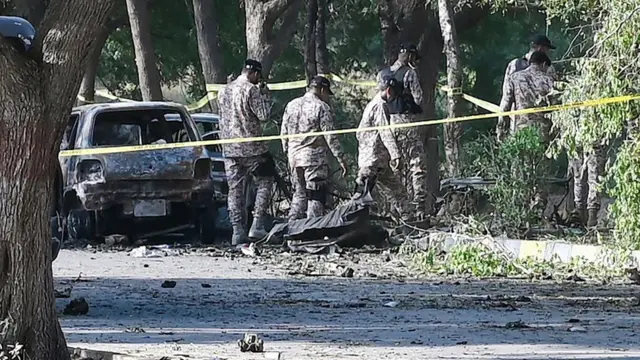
[(146, 60), (452, 131), (88, 86), (310, 66), (37, 91), (322, 53), (265, 40), (205, 13)]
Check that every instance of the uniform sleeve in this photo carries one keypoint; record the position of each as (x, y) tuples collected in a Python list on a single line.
[(507, 95), (260, 104), (327, 123), (552, 72), (511, 68), (413, 83), (381, 118), (284, 130)]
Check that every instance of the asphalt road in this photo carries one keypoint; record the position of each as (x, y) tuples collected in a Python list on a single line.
[(379, 313)]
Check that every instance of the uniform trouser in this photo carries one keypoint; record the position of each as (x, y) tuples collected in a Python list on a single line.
[(237, 170), (389, 189), (309, 197), (585, 169), (412, 151)]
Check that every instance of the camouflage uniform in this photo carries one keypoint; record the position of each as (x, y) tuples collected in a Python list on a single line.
[(242, 108), (524, 90), (375, 149), (410, 142), (512, 67), (586, 168), (307, 155)]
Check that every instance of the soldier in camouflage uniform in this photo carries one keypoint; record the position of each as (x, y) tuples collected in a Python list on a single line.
[(405, 109), (538, 43), (529, 89), (308, 156), (243, 106), (379, 154), (586, 168)]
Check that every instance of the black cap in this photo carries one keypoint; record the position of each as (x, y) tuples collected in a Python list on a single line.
[(253, 65), (542, 40), (321, 82), (409, 48), (539, 57)]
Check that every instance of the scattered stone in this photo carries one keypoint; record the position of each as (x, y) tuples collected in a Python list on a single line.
[(392, 304), (135, 330), (115, 239), (146, 265), (523, 298), (249, 249), (165, 333), (64, 293), (77, 306), (251, 343), (168, 284), (206, 286), (575, 278), (578, 329), (463, 342), (572, 320), (347, 273), (516, 325)]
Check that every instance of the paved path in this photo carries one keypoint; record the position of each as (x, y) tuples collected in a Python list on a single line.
[(333, 317)]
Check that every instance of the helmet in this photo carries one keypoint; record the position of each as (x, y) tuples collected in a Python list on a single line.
[(19, 30)]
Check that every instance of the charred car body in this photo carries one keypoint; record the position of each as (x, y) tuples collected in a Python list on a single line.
[(135, 193)]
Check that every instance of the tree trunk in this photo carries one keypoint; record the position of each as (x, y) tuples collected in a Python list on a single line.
[(208, 31), (265, 42), (148, 74), (322, 54), (452, 131), (88, 86), (37, 92), (311, 69)]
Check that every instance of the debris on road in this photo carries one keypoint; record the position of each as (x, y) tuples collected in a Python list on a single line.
[(516, 325), (77, 306), (168, 284), (144, 252), (64, 293), (206, 286), (116, 239), (392, 304), (347, 273), (249, 249), (135, 330), (578, 329), (251, 343)]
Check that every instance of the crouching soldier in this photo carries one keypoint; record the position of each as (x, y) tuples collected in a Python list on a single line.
[(308, 155), (378, 153)]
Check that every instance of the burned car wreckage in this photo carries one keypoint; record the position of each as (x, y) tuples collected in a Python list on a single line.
[(134, 193)]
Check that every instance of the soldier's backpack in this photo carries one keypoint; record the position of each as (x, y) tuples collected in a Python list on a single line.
[(521, 64), (403, 104)]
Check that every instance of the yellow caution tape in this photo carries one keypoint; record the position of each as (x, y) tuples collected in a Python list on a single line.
[(122, 149)]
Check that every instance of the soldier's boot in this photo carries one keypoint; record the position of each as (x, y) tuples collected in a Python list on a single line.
[(579, 216), (257, 230), (592, 219), (239, 235)]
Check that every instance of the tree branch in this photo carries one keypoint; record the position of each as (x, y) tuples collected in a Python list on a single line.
[(275, 8), (282, 38)]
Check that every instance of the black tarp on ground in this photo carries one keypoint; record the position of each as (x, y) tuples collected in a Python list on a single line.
[(349, 225)]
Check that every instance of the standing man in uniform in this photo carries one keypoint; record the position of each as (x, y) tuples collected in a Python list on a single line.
[(378, 152), (308, 155), (539, 43), (529, 89), (403, 109), (244, 104), (586, 169)]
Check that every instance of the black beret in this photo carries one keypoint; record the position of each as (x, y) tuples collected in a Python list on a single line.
[(253, 65)]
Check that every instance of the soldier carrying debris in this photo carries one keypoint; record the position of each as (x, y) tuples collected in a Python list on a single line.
[(378, 154), (243, 106), (307, 155)]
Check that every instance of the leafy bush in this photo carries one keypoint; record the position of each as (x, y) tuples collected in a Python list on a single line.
[(625, 174)]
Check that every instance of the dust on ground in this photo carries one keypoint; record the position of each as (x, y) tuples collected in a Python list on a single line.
[(312, 307)]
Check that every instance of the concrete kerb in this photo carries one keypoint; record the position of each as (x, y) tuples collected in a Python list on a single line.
[(78, 353), (523, 249)]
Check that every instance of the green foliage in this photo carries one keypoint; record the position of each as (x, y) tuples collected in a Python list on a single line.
[(478, 260), (626, 191), (611, 67)]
